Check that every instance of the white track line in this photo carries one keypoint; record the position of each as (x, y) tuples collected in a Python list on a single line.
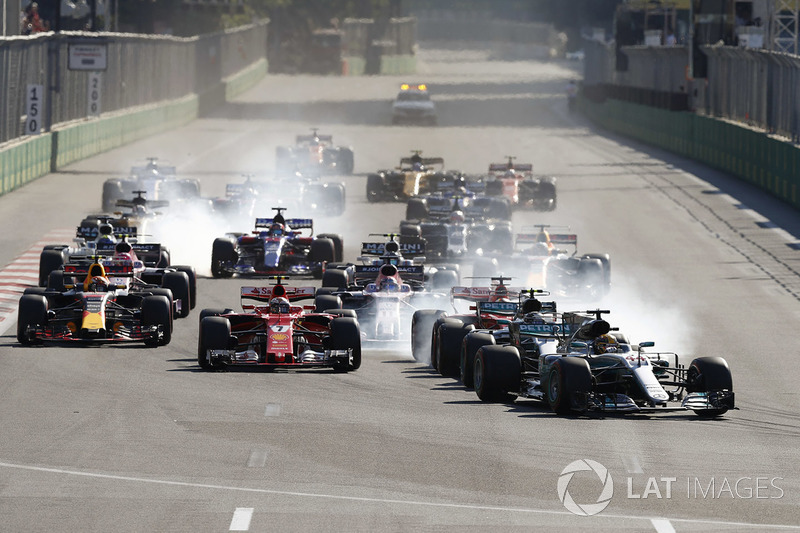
[(94, 475), (662, 525), (241, 519)]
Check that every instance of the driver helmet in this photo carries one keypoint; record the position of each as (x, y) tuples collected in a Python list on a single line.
[(540, 249), (279, 305), (98, 284), (388, 284), (105, 239), (276, 229), (531, 305), (509, 174), (605, 344), (123, 247), (457, 217), (416, 166), (500, 293)]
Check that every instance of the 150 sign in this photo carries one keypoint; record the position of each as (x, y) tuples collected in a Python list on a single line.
[(33, 109)]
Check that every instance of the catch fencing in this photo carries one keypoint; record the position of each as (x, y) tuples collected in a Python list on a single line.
[(757, 88), (141, 69)]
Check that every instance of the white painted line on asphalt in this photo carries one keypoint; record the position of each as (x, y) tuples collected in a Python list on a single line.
[(241, 519), (442, 505), (273, 409), (258, 458), (632, 465), (662, 525)]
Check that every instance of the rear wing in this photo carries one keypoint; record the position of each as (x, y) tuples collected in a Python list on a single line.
[(116, 269), (480, 294), (308, 138), (151, 204), (407, 272), (517, 167), (555, 238), (293, 223), (139, 248), (498, 308), (264, 294), (90, 233), (408, 247), (426, 161), (163, 170)]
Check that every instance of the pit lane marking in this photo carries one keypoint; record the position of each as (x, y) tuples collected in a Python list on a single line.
[(415, 503), (241, 519), (662, 525)]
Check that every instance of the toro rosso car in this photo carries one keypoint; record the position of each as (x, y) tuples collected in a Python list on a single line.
[(313, 155), (276, 246), (388, 289), (415, 176), (92, 309), (542, 261), (273, 333), (159, 181), (581, 364), (516, 182)]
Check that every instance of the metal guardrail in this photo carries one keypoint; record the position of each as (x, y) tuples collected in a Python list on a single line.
[(142, 69)]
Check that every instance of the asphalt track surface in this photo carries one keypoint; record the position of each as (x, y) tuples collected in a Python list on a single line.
[(134, 439)]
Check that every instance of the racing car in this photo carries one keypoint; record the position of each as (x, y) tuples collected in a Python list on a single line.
[(454, 227), (581, 364), (90, 308), (273, 333), (541, 261), (386, 290), (413, 105), (437, 335), (159, 181), (99, 235), (276, 246), (517, 183), (297, 192), (313, 155), (415, 176)]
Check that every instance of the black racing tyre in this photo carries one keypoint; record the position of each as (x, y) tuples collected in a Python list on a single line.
[(326, 290), (472, 342), (32, 312), (215, 334), (444, 279), (49, 260), (157, 311), (421, 328), (346, 162), (335, 278), (323, 302), (548, 199), (178, 283), (338, 245), (335, 199), (192, 275), (214, 311), (410, 230), (376, 188), (349, 313), (416, 209), (497, 372), (166, 293), (35, 290), (708, 374), (569, 381), (55, 281), (345, 334), (223, 251), (112, 191), (163, 259), (451, 334), (435, 338), (322, 250)]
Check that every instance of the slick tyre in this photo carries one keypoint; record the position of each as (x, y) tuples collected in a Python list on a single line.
[(223, 252), (421, 327), (473, 341), (49, 260), (32, 312), (345, 334), (338, 245), (497, 373), (179, 284), (156, 311), (708, 374), (215, 334), (192, 275), (324, 302), (335, 278), (449, 346), (568, 383)]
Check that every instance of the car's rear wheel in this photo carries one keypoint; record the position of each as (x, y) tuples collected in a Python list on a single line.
[(451, 333), (472, 342), (223, 252), (421, 327), (178, 283), (49, 260), (497, 373)]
